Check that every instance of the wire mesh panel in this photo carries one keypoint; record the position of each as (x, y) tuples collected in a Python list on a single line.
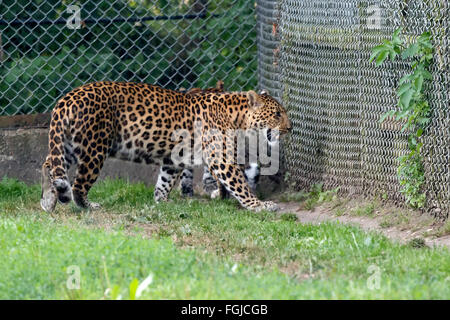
[(415, 17), (320, 82), (268, 46), (381, 144), (49, 47), (335, 97)]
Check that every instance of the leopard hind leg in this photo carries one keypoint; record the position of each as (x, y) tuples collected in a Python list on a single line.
[(54, 182), (48, 193), (187, 183), (168, 175), (88, 170), (91, 151)]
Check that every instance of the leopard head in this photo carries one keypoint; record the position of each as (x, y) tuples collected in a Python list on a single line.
[(267, 114)]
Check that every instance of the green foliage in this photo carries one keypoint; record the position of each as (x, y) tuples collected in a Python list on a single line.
[(46, 61), (48, 77), (314, 197), (289, 217), (331, 260), (413, 108), (366, 210), (17, 190), (417, 243), (226, 49), (317, 196)]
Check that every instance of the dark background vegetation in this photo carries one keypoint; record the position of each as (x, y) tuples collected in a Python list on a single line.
[(43, 61)]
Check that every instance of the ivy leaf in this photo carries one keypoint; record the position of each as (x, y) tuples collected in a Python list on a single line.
[(427, 75), (404, 128), (411, 51), (401, 115), (396, 40), (397, 32), (419, 132), (423, 121), (380, 59), (387, 114), (425, 39), (405, 98), (403, 88), (392, 55), (412, 141), (404, 79), (418, 83), (375, 51)]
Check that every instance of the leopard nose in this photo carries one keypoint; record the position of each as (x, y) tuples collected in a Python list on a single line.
[(289, 126)]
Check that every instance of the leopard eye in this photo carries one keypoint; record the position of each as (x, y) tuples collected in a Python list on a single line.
[(278, 114)]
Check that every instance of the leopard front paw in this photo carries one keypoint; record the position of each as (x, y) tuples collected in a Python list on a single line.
[(94, 206), (266, 205), (159, 196), (187, 191), (215, 194), (48, 200)]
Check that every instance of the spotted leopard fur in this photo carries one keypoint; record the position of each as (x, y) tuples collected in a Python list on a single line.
[(210, 185), (135, 122)]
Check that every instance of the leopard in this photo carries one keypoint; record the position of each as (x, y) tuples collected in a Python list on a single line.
[(187, 175), (136, 122)]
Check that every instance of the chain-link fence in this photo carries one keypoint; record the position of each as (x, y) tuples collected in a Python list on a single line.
[(49, 47), (314, 53), (268, 47)]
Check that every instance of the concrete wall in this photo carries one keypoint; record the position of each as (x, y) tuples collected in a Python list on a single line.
[(24, 146), (22, 152)]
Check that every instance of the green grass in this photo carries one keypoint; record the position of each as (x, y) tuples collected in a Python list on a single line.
[(309, 200), (366, 210), (190, 247), (40, 252)]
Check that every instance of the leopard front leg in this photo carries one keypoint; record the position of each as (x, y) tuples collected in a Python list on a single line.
[(49, 194), (167, 177), (187, 183), (220, 192), (232, 178), (210, 184)]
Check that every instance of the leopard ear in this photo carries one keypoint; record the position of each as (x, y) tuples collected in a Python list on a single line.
[(253, 99), (194, 91), (219, 85)]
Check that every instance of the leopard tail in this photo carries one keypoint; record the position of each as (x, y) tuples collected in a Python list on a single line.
[(55, 183)]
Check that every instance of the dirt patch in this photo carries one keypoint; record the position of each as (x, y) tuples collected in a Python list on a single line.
[(399, 226)]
